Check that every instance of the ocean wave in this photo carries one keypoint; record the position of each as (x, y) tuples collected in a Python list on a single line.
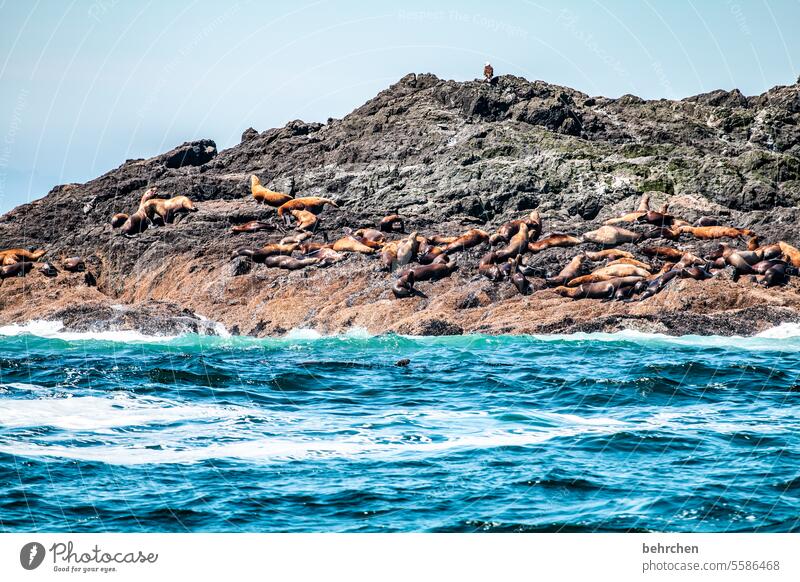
[(55, 330)]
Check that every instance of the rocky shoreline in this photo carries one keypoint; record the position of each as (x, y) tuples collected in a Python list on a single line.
[(448, 156)]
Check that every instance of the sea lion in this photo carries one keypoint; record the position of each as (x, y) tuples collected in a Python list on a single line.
[(469, 239), (404, 286), (611, 235), (487, 267), (430, 255), (791, 253), (370, 237), (711, 232), (313, 204), (73, 264), (289, 263), (392, 223), (11, 256), (762, 267), (432, 272), (598, 290), (516, 246), (627, 261), (611, 254), (656, 218), (327, 256), (253, 226), (269, 250), (389, 255), (135, 224), (305, 220), (644, 203), (664, 253), (775, 275), (557, 239), (407, 249), (657, 284), (569, 272), (350, 244), (17, 269), (506, 231), (743, 261), (608, 273), (150, 193), (265, 195), (118, 219), (438, 239), (521, 283), (694, 272), (706, 221), (166, 208), (641, 210)]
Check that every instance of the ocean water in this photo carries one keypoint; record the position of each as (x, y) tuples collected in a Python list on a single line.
[(119, 432)]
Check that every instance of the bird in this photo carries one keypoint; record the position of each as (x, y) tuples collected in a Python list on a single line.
[(488, 71)]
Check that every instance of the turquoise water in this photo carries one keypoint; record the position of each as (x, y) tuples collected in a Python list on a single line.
[(626, 432)]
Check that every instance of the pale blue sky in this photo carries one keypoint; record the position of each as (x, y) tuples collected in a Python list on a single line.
[(85, 85)]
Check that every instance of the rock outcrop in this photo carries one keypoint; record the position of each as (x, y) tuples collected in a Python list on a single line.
[(449, 156)]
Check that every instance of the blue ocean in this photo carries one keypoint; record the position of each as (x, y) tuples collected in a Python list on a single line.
[(117, 432)]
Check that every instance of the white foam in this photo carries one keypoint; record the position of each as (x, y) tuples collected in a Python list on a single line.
[(54, 330), (784, 330), (309, 333), (96, 413)]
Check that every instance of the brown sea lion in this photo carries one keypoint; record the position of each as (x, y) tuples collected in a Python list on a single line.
[(627, 261), (743, 261), (556, 239), (598, 290), (611, 235), (149, 194), (791, 253), (118, 219), (265, 195), (305, 220), (389, 255), (518, 244), (644, 203), (327, 256), (711, 232), (350, 244), (506, 231), (664, 253), (313, 204), (430, 255), (656, 218), (407, 249), (136, 223), (18, 269), (706, 221), (392, 223), (469, 239), (487, 267), (569, 272), (73, 264), (775, 275), (521, 283), (432, 272), (438, 239), (608, 273), (627, 217), (694, 272), (289, 263), (269, 250), (610, 254), (370, 235), (404, 286), (657, 284), (167, 208), (253, 226), (11, 256)]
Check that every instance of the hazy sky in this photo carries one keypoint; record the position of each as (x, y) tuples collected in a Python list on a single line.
[(85, 85)]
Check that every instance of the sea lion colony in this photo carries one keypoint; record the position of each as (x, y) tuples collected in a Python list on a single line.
[(602, 272)]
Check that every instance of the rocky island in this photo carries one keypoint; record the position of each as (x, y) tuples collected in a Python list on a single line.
[(448, 157)]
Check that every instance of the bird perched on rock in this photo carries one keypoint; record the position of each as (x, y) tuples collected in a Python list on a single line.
[(488, 72)]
